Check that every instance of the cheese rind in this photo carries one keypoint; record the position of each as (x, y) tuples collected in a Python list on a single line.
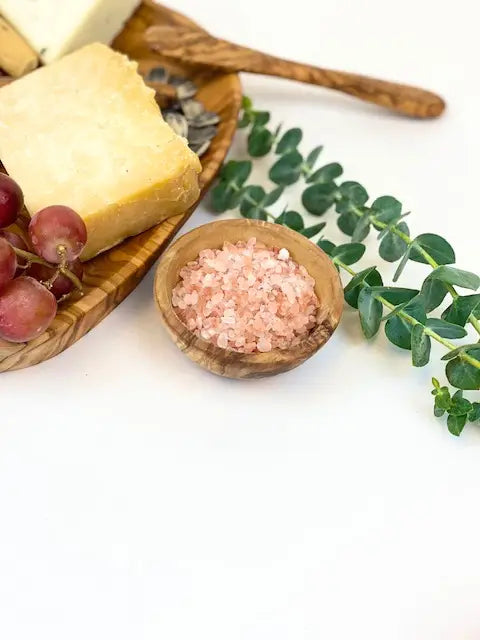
[(87, 133), (57, 27)]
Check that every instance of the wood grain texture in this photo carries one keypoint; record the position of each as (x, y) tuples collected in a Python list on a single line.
[(190, 45), (252, 365), (110, 277)]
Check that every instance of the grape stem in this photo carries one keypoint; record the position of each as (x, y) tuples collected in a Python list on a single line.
[(32, 257)]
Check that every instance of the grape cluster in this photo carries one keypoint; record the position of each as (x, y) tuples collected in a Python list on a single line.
[(33, 279)]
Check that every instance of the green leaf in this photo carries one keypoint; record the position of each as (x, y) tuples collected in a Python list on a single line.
[(236, 172), (244, 120), (455, 424), (349, 253), (326, 246), (289, 141), (421, 346), (460, 406), (462, 374), (318, 198), (464, 348), (347, 223), (387, 209), (362, 228), (287, 169), (260, 118), (353, 193), (402, 264), (309, 232), (273, 196), (461, 308), (368, 276), (451, 275), (438, 248), (370, 311), (327, 173), (291, 219), (313, 157), (443, 399), (247, 103), (438, 412), (474, 413), (225, 197), (392, 248), (433, 293), (445, 329), (396, 295), (252, 205), (260, 142), (398, 330)]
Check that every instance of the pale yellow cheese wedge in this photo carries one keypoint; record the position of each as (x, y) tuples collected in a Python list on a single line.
[(86, 132)]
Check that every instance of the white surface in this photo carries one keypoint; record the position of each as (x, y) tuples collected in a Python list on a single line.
[(141, 497)]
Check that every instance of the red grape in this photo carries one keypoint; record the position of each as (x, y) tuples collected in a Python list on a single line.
[(19, 243), (26, 309), (61, 285), (8, 262), (11, 200), (54, 228)]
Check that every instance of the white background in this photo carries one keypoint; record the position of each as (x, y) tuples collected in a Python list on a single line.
[(141, 497)]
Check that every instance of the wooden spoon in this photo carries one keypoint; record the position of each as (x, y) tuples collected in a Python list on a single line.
[(193, 46), (232, 364)]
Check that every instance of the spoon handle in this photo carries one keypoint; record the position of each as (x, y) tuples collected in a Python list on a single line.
[(199, 47)]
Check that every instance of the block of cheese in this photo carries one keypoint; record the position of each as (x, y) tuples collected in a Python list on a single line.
[(56, 27), (86, 132)]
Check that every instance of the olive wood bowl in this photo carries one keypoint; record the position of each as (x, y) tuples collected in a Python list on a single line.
[(226, 362)]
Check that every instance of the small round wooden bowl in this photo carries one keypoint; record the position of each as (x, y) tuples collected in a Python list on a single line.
[(226, 362)]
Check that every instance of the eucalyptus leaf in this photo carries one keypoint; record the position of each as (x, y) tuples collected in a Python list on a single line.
[(291, 219), (260, 118), (368, 276), (460, 406), (347, 222), (309, 232), (370, 311), (252, 204), (327, 173), (402, 264), (225, 197), (354, 193), (396, 295), (398, 330), (260, 141), (349, 253), (445, 329), (437, 412), (460, 309), (362, 228), (464, 348), (420, 346), (455, 424), (433, 293), (318, 198), (312, 157), (452, 275), (474, 413), (392, 248), (236, 172), (462, 374), (386, 209), (326, 246), (436, 246), (273, 196), (289, 141), (287, 169)]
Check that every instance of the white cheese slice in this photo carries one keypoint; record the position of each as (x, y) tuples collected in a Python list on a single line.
[(56, 27), (86, 132)]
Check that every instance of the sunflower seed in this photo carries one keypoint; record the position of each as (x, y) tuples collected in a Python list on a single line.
[(177, 122), (200, 149), (192, 108), (198, 136), (205, 119), (158, 74), (186, 90)]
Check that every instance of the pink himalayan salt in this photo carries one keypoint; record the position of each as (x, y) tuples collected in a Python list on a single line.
[(246, 297)]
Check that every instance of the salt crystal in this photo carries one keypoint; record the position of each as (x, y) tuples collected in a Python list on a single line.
[(246, 297)]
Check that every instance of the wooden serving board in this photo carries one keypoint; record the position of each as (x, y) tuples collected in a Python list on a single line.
[(110, 277)]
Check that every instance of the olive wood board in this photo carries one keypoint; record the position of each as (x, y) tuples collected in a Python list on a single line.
[(110, 277)]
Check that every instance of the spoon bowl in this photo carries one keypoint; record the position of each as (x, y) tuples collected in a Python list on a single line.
[(226, 362)]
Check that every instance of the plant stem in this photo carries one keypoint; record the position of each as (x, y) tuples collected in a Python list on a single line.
[(431, 261), (246, 197), (413, 321), (32, 257)]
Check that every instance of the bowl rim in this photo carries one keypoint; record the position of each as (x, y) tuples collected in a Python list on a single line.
[(312, 342)]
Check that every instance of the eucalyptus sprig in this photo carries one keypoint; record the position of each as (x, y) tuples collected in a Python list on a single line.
[(407, 322)]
